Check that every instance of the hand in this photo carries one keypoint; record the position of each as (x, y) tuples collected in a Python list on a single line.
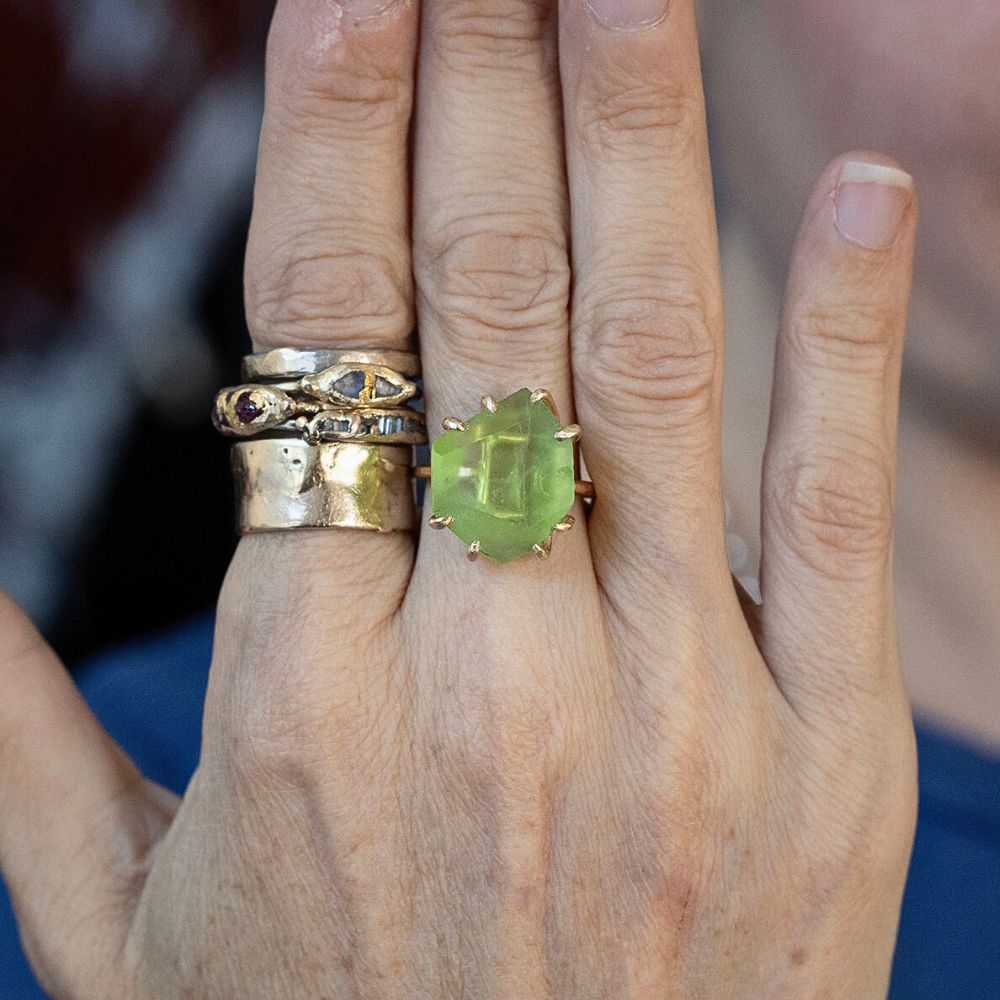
[(593, 777)]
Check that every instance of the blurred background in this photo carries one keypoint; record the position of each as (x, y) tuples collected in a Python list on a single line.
[(125, 184)]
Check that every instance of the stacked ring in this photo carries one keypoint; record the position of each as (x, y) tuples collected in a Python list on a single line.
[(327, 439)]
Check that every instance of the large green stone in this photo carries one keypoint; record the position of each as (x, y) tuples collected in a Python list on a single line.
[(505, 479)]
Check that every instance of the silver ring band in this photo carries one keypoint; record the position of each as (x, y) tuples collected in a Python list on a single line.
[(285, 363)]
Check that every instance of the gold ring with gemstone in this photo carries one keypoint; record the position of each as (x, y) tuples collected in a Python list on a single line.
[(504, 480), (250, 410)]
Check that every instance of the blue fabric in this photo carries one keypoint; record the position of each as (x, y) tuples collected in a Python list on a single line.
[(149, 696)]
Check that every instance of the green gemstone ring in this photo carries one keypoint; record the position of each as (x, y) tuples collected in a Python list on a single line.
[(504, 481)]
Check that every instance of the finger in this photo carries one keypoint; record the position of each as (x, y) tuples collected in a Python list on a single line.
[(327, 259), (490, 217), (646, 315), (829, 467), (77, 821), (490, 203)]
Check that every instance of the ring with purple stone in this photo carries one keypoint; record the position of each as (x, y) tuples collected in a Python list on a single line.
[(250, 410), (504, 480)]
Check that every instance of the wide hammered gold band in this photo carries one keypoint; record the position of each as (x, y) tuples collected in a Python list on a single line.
[(287, 483)]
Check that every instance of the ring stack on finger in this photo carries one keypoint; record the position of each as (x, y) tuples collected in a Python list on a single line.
[(325, 439)]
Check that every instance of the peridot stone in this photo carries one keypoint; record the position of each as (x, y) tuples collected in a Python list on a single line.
[(505, 479)]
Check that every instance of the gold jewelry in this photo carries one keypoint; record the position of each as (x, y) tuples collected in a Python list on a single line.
[(249, 410), (504, 481), (373, 426), (288, 363), (285, 483), (326, 439)]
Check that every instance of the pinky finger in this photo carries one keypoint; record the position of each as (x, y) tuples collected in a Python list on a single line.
[(77, 821), (829, 468)]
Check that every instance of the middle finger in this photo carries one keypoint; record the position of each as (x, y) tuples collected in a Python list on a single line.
[(490, 214)]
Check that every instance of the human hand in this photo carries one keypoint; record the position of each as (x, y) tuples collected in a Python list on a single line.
[(593, 777)]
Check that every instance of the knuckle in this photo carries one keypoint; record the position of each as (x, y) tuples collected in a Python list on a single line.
[(481, 283), (640, 112), (312, 297), (835, 510), (844, 338), (470, 35), (657, 351), (340, 83)]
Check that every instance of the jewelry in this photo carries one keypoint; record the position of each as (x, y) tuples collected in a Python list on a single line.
[(249, 410), (288, 363), (504, 481), (399, 426), (327, 439), (285, 483)]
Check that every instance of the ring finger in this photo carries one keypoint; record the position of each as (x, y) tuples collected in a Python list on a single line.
[(647, 318)]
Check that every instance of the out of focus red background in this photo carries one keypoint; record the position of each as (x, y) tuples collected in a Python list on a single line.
[(130, 130)]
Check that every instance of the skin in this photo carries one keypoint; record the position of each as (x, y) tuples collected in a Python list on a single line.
[(789, 85), (596, 777)]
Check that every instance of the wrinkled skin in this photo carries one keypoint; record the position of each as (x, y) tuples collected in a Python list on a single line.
[(600, 776)]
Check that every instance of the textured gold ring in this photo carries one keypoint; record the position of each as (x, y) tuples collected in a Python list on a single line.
[(287, 483), (250, 410)]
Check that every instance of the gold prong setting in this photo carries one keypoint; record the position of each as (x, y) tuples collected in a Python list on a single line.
[(571, 432), (440, 522), (544, 550), (544, 396), (453, 424), (489, 404), (474, 549)]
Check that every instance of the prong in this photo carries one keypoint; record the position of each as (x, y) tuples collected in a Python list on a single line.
[(474, 550), (544, 396), (571, 432), (452, 424), (489, 403), (566, 523), (440, 521), (544, 550)]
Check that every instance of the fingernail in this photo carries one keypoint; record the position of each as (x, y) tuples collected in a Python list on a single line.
[(870, 202), (628, 15)]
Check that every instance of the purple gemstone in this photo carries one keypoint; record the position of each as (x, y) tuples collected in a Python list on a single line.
[(246, 409)]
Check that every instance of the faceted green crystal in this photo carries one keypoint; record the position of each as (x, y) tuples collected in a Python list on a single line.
[(505, 479)]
